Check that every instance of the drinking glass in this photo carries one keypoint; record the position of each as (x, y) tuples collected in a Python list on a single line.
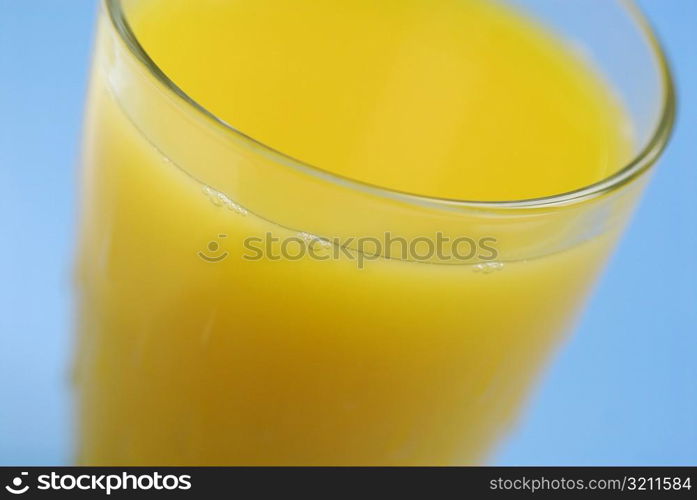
[(240, 307)]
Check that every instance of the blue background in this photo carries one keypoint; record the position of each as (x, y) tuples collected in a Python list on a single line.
[(622, 391)]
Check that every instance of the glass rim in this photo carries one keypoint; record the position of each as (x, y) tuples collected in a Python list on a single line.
[(641, 162)]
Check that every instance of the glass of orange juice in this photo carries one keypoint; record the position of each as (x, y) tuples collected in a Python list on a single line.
[(317, 232)]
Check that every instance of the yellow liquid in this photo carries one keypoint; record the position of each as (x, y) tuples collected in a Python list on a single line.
[(305, 362), (449, 98)]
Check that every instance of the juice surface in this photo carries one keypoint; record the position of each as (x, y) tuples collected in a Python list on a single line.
[(182, 361), (460, 99)]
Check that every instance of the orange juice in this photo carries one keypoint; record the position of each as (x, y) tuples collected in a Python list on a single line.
[(193, 350)]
